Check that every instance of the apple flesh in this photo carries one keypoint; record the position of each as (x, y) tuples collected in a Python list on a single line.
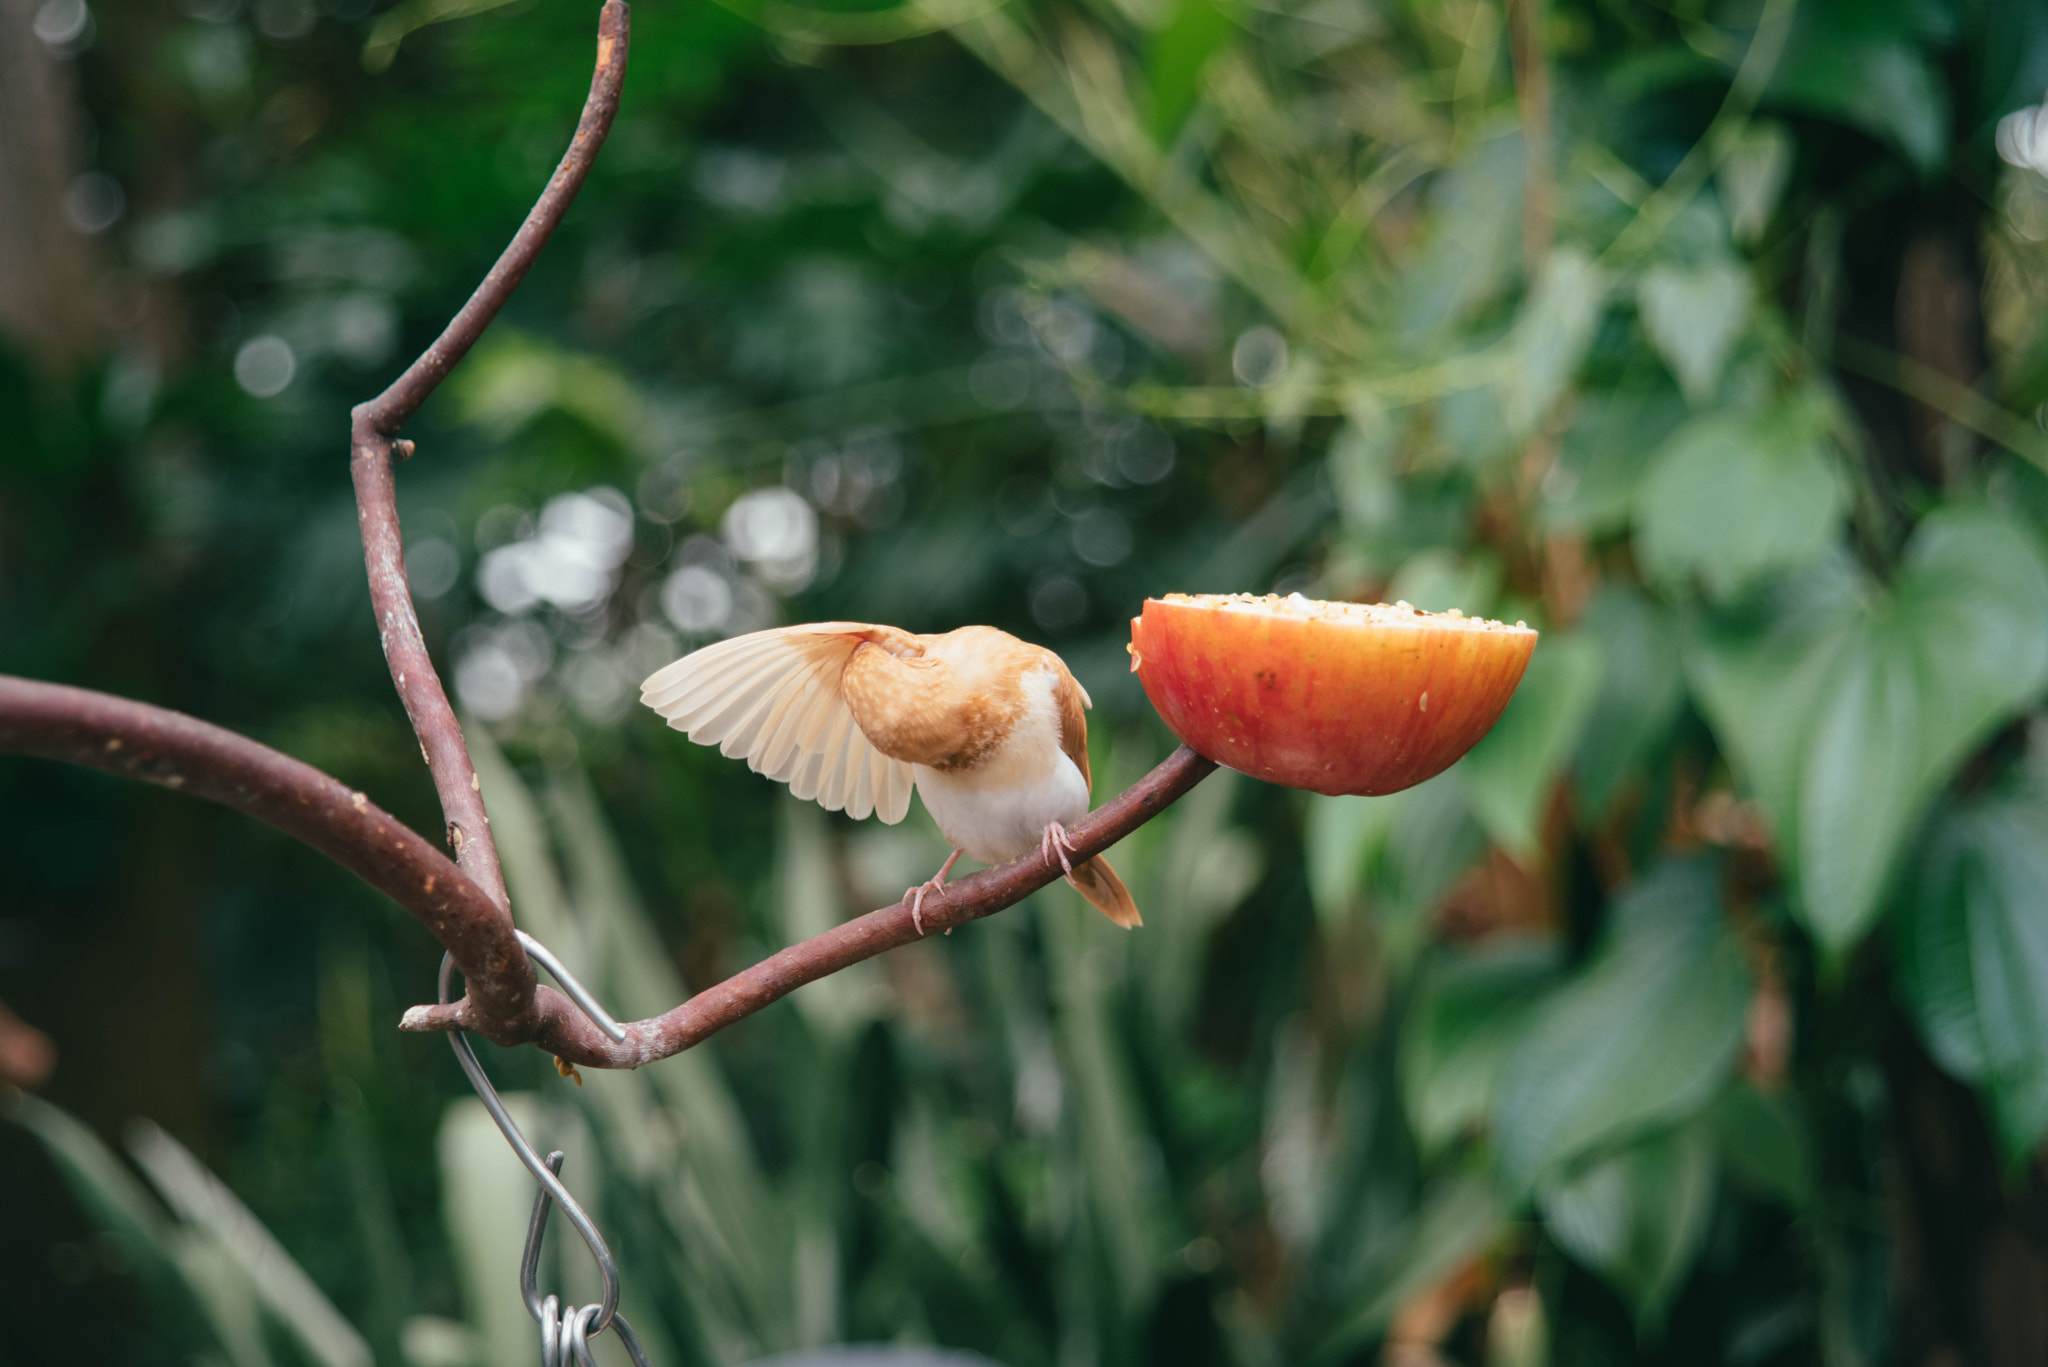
[(1333, 697)]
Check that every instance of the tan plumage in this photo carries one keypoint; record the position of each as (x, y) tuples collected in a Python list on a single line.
[(989, 729)]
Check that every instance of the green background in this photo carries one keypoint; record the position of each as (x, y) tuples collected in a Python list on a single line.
[(1699, 1016)]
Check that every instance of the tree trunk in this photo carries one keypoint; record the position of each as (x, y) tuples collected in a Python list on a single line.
[(46, 266)]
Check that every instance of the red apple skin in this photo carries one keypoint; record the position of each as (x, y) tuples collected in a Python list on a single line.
[(1332, 697)]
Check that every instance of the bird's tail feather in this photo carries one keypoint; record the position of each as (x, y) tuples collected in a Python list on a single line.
[(1097, 881)]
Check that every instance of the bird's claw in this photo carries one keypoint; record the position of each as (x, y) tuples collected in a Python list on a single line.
[(915, 896), (935, 883), (1057, 844)]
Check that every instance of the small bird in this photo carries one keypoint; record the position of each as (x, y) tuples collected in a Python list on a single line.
[(989, 729)]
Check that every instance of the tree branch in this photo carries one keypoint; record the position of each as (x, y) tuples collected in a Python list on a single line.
[(374, 426), (168, 748), (566, 1032), (464, 904)]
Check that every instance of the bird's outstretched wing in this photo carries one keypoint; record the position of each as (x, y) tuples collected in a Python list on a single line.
[(773, 698)]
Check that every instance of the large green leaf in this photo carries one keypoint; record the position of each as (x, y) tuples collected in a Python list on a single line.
[(1468, 1011), (1861, 63), (1733, 497), (1606, 451), (1397, 854), (1638, 1217), (1641, 689), (1552, 336), (1973, 958), (1508, 775), (1644, 1036), (1452, 1224), (1846, 706), (1476, 216), (1694, 314), (1763, 1140)]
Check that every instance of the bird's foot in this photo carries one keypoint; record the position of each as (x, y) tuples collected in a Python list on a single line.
[(916, 896), (935, 883), (1057, 844)]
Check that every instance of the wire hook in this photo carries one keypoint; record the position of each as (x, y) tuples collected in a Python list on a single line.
[(564, 1334)]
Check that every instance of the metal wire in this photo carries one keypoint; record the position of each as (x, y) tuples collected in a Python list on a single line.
[(576, 991), (564, 1334), (529, 1262)]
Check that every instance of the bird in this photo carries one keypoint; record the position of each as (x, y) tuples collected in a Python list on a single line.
[(991, 731)]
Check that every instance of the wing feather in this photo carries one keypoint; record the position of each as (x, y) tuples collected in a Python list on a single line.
[(832, 792), (725, 712), (902, 782), (721, 682), (780, 742), (773, 698), (1073, 701), (862, 803), (806, 729), (809, 782), (702, 669)]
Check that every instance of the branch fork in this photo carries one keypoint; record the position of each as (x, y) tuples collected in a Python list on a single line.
[(463, 902)]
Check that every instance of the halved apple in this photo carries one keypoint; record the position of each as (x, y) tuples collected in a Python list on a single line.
[(1334, 697)]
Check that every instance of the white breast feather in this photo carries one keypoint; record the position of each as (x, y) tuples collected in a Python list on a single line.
[(1000, 809)]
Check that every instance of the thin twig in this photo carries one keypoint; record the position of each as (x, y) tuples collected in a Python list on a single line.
[(1532, 100), (568, 1033), (1664, 204), (374, 426), (1960, 403), (159, 746)]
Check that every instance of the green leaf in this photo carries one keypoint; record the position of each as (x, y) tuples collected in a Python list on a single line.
[(1431, 841), (1468, 1010), (1440, 579), (1846, 707), (215, 1213), (1508, 776), (1551, 336), (1397, 854), (1180, 54), (1644, 1036), (1857, 62), (1605, 452), (1638, 1217), (1973, 960), (1362, 469), (1338, 841), (486, 1196), (1454, 1222), (1475, 209), (1694, 314), (1752, 176), (1641, 689), (1763, 1140), (195, 1316), (1932, 953), (1732, 498)]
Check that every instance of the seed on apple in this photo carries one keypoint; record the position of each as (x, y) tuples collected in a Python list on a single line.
[(1333, 697)]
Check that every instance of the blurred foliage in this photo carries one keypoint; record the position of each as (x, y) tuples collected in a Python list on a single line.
[(1704, 336)]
